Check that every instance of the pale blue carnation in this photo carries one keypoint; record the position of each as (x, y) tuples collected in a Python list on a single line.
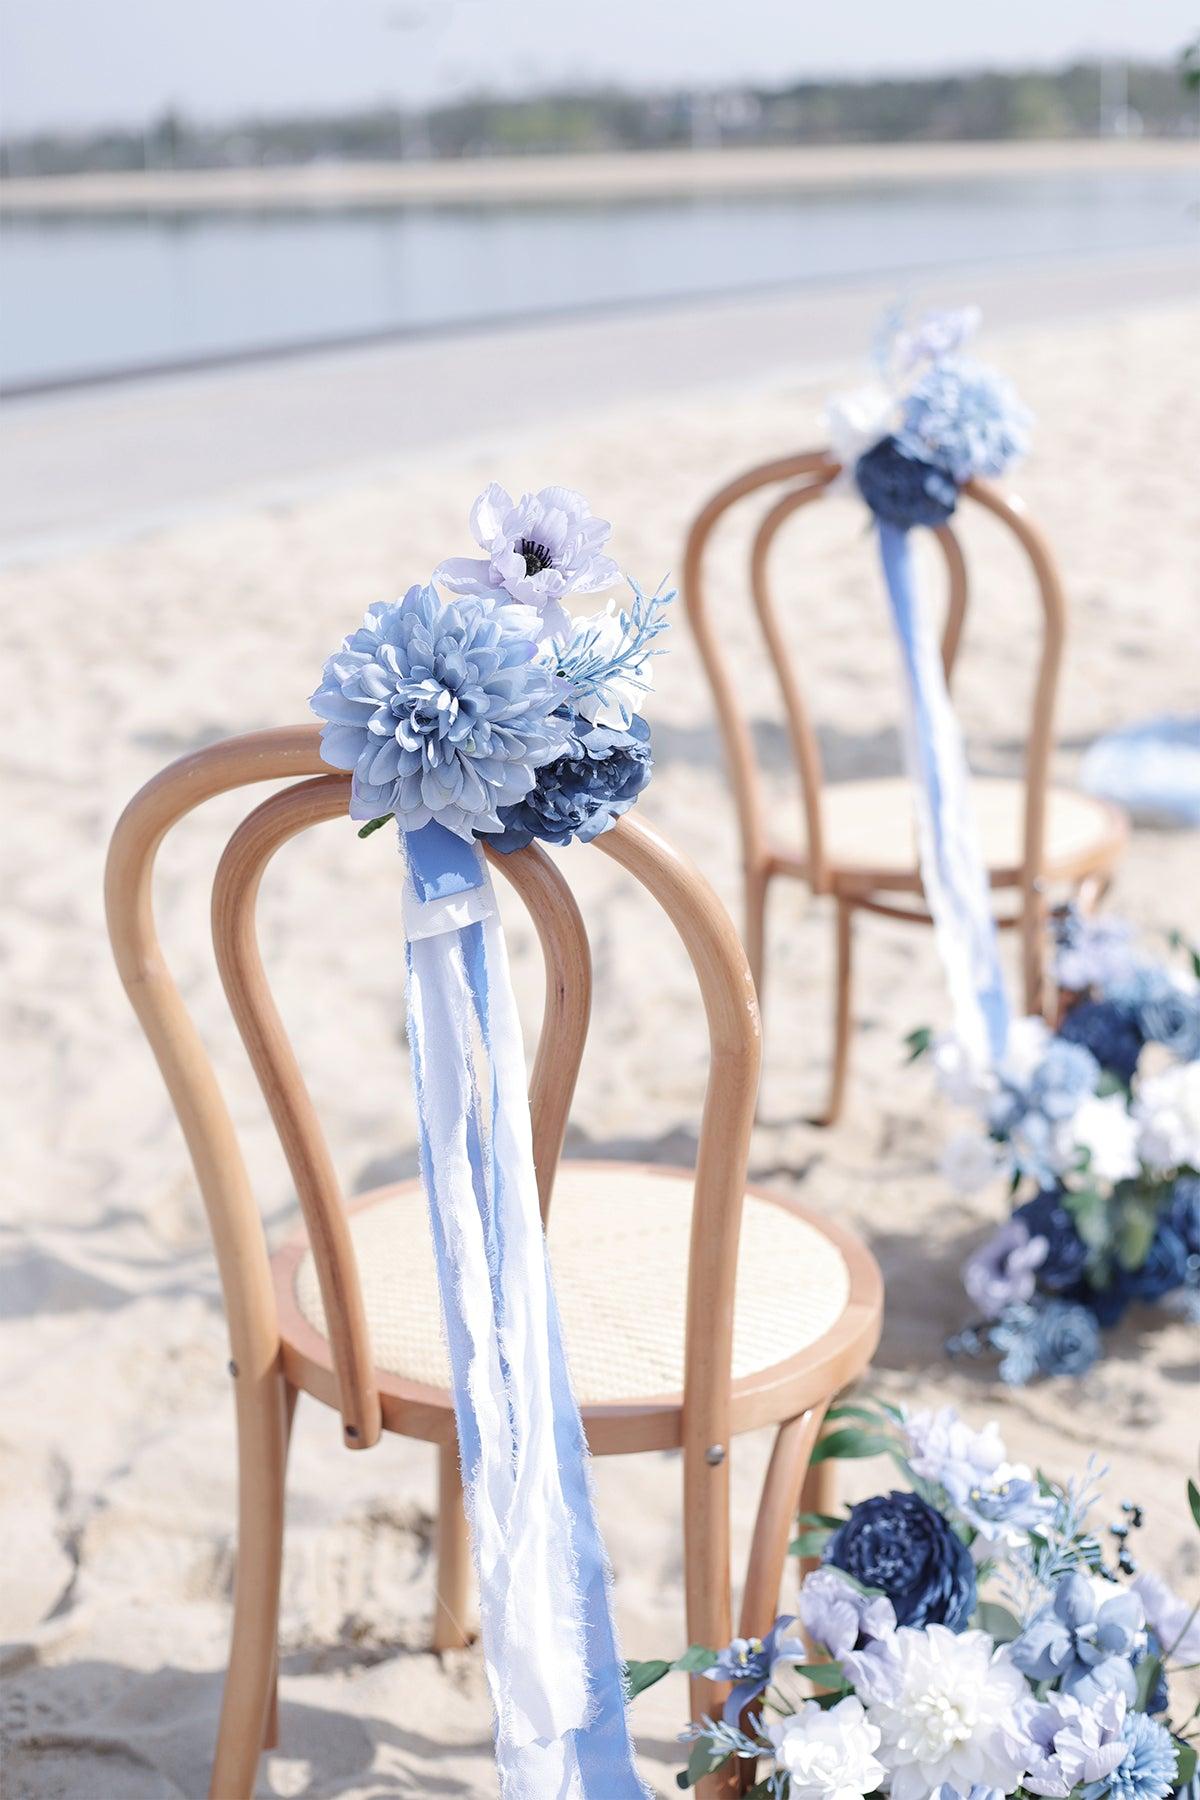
[(1149, 1769), (966, 418), (440, 711)]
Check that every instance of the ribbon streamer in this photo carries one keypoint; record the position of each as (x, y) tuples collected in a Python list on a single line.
[(553, 1665), (953, 871)]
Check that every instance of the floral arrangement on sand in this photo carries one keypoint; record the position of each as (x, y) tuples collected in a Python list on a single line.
[(1095, 1126), (963, 1638), (485, 707)]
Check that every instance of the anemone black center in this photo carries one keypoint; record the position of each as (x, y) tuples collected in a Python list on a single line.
[(537, 557)]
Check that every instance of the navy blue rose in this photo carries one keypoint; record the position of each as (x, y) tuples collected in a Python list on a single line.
[(1183, 1212), (1112, 1032), (904, 489), (898, 1544), (1164, 1269), (580, 794), (1066, 1256), (1107, 1305)]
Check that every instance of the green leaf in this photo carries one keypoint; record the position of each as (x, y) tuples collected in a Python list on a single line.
[(1185, 1767), (851, 1443), (917, 1042), (1134, 1234), (1194, 1501), (375, 825), (997, 1621), (809, 1543), (833, 1520), (1093, 1218), (702, 1760), (822, 1675), (695, 1660), (872, 1415), (1147, 1672), (642, 1675)]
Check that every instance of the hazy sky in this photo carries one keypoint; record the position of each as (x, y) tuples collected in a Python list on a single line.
[(86, 62)]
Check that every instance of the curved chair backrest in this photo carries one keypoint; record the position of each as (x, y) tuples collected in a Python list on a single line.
[(811, 475), (698, 916)]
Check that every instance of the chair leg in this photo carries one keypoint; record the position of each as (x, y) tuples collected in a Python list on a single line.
[(1033, 948), (450, 1630), (262, 1436), (271, 1733), (707, 1587), (757, 882), (819, 1494), (777, 1507), (842, 1025)]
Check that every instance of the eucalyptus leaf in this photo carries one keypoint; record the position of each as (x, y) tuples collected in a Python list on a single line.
[(1194, 1501), (695, 1660), (917, 1042), (809, 1543), (1185, 1766)]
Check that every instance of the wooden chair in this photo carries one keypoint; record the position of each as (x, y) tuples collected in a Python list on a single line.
[(695, 1307), (861, 838)]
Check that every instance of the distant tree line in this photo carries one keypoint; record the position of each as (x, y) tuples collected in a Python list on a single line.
[(1082, 100)]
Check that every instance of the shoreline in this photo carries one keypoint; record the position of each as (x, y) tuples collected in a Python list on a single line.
[(646, 175)]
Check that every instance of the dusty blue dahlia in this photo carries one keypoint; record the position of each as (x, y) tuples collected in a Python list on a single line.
[(582, 792), (904, 488), (966, 418), (440, 711)]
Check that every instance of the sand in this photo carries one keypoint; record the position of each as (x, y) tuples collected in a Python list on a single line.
[(643, 175), (116, 1452)]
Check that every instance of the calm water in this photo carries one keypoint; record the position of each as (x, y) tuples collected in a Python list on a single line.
[(84, 296)]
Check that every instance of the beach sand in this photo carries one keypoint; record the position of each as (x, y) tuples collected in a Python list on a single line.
[(116, 1447)]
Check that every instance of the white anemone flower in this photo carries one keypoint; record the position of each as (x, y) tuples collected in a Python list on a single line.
[(945, 1704), (828, 1754), (538, 549), (854, 422)]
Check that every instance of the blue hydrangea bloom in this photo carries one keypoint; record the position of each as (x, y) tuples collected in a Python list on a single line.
[(582, 793), (966, 418), (1012, 1335), (1083, 1645), (1149, 1766), (1067, 1074), (1111, 1031), (900, 1545), (441, 712), (1045, 1216), (904, 488)]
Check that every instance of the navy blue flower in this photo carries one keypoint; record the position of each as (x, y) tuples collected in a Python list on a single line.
[(1164, 1269), (1183, 1212), (904, 489), (581, 794), (899, 1545), (1112, 1032), (1046, 1217)]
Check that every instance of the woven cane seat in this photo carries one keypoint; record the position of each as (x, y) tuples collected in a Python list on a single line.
[(619, 1249), (870, 826)]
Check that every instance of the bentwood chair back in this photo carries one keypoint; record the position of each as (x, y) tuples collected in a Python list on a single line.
[(694, 1306), (860, 838)]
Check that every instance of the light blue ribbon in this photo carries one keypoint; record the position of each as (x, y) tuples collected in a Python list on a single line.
[(953, 871), (594, 1761)]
